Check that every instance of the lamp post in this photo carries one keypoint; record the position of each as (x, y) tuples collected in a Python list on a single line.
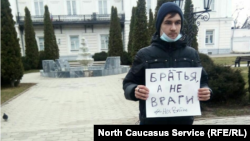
[(190, 30)]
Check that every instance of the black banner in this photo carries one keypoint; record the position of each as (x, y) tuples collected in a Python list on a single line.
[(114, 132)]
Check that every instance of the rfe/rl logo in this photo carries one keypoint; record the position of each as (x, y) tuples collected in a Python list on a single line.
[(226, 132)]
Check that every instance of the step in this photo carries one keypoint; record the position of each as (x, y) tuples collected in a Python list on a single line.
[(95, 63)]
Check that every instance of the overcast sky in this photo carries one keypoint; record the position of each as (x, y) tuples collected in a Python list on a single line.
[(238, 4)]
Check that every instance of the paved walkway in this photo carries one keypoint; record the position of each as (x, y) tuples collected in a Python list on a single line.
[(65, 109), (229, 55)]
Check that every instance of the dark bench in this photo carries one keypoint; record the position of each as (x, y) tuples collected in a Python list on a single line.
[(241, 59)]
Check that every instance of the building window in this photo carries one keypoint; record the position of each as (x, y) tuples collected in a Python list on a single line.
[(104, 42), (71, 7), (41, 43), (39, 7), (74, 43), (148, 6), (102, 6), (212, 5), (209, 37)]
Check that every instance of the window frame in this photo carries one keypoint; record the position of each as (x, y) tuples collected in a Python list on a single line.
[(39, 45), (72, 10), (212, 6), (70, 40), (102, 9), (40, 5), (208, 36), (107, 42)]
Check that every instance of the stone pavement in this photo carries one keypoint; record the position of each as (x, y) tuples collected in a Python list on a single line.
[(65, 109)]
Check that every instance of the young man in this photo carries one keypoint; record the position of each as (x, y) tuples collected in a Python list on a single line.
[(166, 44)]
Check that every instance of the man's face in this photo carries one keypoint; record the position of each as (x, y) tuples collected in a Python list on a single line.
[(171, 25)]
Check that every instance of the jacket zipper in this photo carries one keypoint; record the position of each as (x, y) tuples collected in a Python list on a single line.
[(170, 55)]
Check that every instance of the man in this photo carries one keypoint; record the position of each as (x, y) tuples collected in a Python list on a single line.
[(167, 44)]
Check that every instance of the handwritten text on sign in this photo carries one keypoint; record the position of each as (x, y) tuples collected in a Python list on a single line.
[(173, 92)]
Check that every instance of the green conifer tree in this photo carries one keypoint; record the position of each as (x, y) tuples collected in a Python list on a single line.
[(188, 18), (140, 30), (151, 27), (115, 36), (51, 49), (131, 32), (11, 62), (32, 55)]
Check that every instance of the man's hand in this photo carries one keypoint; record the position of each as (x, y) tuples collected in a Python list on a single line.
[(204, 94), (141, 92)]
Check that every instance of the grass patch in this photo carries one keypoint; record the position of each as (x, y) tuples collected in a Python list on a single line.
[(10, 92), (224, 60), (31, 71), (232, 111), (225, 110)]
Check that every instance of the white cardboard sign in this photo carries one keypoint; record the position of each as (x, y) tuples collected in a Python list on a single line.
[(173, 92)]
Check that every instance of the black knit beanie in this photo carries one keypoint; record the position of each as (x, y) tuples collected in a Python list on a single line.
[(165, 9)]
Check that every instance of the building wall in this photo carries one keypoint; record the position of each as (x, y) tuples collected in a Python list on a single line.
[(220, 21), (222, 36), (59, 7), (222, 8), (93, 38), (241, 41)]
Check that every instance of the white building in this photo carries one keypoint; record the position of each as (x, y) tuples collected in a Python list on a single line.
[(241, 38), (73, 19), (215, 35), (241, 41)]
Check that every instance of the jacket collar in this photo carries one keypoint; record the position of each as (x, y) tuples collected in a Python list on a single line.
[(168, 46)]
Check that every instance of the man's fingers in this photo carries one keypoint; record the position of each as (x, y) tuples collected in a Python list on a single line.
[(202, 89), (142, 87), (141, 92), (144, 91), (141, 95), (204, 97), (203, 92)]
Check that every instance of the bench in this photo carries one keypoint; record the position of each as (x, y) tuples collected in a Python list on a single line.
[(241, 59)]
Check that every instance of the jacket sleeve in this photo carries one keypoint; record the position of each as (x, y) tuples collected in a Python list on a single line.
[(204, 76), (135, 76)]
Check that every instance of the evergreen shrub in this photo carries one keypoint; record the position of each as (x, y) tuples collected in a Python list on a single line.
[(101, 56), (26, 65), (125, 58), (41, 58), (227, 83)]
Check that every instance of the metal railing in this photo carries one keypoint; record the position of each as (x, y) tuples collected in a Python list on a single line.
[(94, 18)]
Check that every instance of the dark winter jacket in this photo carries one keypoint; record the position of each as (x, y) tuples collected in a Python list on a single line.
[(161, 54)]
